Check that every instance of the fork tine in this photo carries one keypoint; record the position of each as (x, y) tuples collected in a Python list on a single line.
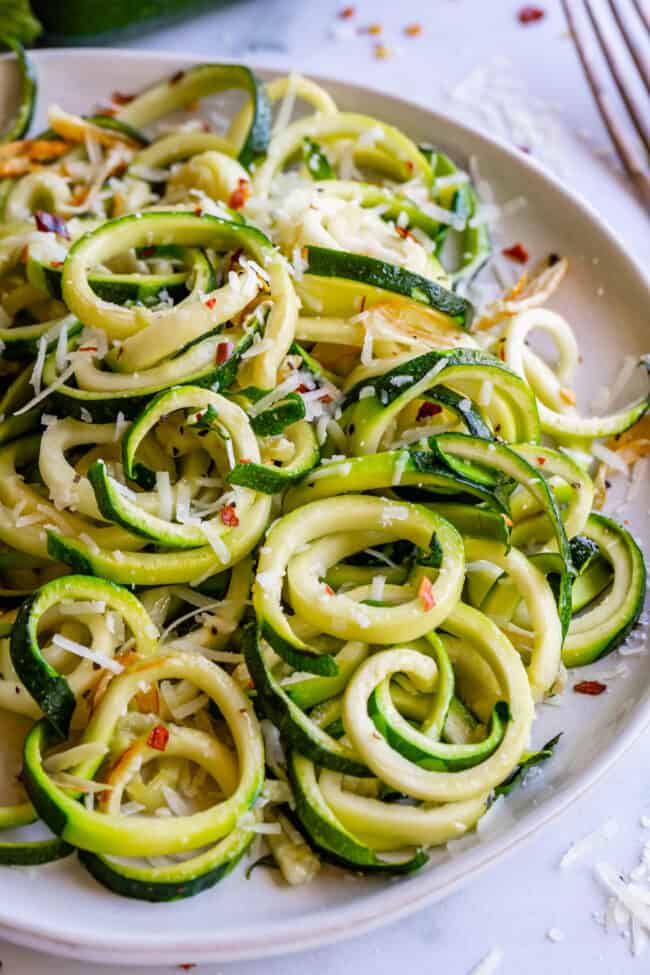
[(615, 66), (644, 14), (640, 58), (626, 147)]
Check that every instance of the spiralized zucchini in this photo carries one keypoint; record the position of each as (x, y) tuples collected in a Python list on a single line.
[(292, 540)]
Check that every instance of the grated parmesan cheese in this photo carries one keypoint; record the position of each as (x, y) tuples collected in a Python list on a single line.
[(165, 495), (583, 847), (489, 964), (80, 651)]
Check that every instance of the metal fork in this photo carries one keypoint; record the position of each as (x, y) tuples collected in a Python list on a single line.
[(632, 19)]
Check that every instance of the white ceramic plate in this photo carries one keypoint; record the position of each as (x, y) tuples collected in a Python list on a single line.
[(59, 908)]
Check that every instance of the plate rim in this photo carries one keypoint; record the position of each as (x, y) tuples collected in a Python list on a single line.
[(389, 904)]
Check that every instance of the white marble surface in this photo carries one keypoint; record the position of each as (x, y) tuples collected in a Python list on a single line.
[(516, 903)]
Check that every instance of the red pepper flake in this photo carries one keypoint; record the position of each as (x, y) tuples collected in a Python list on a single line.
[(329, 590), (187, 967), (228, 516), (302, 388), (425, 592), (502, 352), (516, 253), (175, 78), (56, 263), (346, 13), (210, 303), (87, 348), (119, 98), (48, 223), (326, 398), (224, 351), (245, 460), (410, 165), (509, 522), (198, 211), (413, 30), (107, 110), (541, 461), (592, 687), (530, 15), (147, 252), (382, 52), (158, 738), (24, 254), (404, 233), (428, 409), (239, 196)]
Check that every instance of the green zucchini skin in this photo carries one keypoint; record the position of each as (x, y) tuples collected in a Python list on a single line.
[(104, 407), (294, 725), (73, 20), (324, 262), (34, 853), (161, 885), (201, 80), (329, 835), (118, 288), (48, 688), (22, 341), (317, 163), (613, 539), (440, 756), (28, 90)]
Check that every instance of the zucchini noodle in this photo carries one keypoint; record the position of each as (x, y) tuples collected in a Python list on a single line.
[(292, 542)]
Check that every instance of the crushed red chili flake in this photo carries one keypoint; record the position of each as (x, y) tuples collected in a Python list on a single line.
[(410, 165), (413, 30), (224, 351), (404, 233), (302, 388), (530, 15), (239, 196), (326, 398), (147, 252), (187, 967), (120, 98), (228, 516), (502, 352), (329, 590), (107, 110), (56, 263), (516, 253), (428, 409), (541, 461), (175, 78), (87, 348), (346, 13), (158, 738), (425, 592), (210, 303), (592, 687), (49, 223), (509, 522), (198, 211)]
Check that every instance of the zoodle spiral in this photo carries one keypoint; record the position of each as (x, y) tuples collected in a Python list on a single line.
[(293, 538)]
